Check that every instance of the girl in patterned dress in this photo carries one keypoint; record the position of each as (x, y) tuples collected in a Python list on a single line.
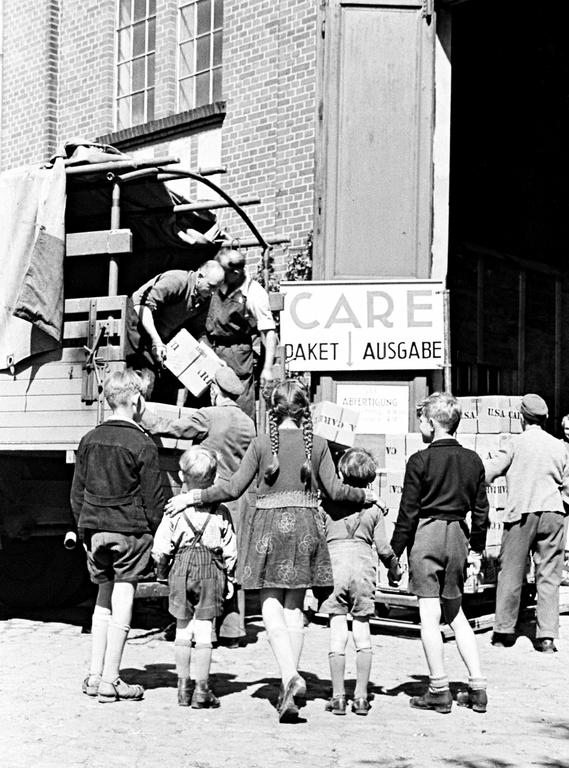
[(286, 549)]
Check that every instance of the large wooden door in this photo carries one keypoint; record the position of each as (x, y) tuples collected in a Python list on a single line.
[(374, 149)]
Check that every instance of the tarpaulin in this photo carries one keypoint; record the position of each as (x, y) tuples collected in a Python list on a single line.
[(32, 210)]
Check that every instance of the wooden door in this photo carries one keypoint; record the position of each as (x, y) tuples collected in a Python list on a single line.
[(374, 148)]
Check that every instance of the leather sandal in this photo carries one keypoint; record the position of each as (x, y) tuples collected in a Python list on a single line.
[(295, 689), (91, 685), (361, 705), (336, 704), (119, 691)]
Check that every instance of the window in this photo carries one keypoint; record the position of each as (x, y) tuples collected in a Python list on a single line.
[(136, 43), (199, 55)]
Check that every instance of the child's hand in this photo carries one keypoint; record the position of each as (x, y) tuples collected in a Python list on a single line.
[(178, 503), (474, 561), (394, 574)]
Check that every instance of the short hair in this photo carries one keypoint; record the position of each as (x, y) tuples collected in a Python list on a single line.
[(120, 386), (230, 259), (199, 464), (442, 407), (358, 466), (564, 419), (212, 271)]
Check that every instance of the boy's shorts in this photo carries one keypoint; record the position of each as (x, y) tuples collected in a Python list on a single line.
[(355, 578), (437, 561), (113, 556), (197, 585)]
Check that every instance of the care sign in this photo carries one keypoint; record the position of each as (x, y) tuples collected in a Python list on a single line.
[(337, 326)]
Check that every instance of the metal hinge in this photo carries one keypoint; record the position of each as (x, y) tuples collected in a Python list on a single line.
[(427, 10), (323, 28)]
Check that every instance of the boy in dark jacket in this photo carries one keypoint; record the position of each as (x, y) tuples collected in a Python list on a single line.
[(117, 502), (441, 485)]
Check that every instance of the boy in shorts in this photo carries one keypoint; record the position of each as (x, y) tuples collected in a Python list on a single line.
[(203, 545), (441, 485), (350, 540), (117, 502)]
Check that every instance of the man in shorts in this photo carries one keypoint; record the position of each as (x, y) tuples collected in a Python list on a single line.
[(117, 503)]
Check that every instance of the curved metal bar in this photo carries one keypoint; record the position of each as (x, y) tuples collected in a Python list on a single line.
[(229, 200)]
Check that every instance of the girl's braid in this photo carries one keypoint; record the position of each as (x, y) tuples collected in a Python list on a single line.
[(307, 435), (273, 468)]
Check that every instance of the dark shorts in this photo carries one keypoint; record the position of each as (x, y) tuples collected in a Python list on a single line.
[(197, 585), (113, 556), (355, 576), (437, 561)]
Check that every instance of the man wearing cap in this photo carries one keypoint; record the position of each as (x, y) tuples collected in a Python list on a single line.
[(536, 468), (239, 311), (224, 428)]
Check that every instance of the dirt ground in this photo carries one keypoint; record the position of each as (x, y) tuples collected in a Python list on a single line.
[(46, 721)]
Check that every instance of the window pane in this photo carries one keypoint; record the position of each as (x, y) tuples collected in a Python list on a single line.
[(204, 16), (123, 113), (150, 104), (125, 43), (202, 89), (187, 26), (124, 12), (216, 74), (186, 59), (150, 69), (186, 94), (139, 9), (151, 7), (202, 53), (151, 35), (138, 74), (137, 108), (139, 39), (124, 79), (217, 45), (218, 14)]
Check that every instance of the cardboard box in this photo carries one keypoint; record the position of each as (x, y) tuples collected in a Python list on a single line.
[(334, 423), (467, 440), (395, 453), (514, 414), (493, 414), (469, 421), (413, 443), (497, 494), (194, 364), (393, 492)]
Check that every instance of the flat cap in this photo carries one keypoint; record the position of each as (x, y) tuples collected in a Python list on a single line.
[(533, 406), (227, 380)]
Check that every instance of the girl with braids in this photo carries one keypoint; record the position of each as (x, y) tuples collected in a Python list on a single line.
[(285, 551)]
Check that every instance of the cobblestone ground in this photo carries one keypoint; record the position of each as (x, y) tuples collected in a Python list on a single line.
[(46, 722)]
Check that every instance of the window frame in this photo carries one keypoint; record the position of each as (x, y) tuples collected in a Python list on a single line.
[(215, 92)]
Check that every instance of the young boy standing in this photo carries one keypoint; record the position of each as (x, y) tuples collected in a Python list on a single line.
[(117, 502), (204, 548), (441, 485), (354, 572)]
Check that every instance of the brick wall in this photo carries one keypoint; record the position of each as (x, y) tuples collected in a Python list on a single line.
[(269, 83)]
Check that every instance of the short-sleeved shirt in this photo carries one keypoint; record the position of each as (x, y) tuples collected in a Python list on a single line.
[(173, 300), (257, 303)]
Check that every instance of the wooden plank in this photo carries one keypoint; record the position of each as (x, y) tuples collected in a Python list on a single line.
[(62, 436), (23, 404), (40, 387), (104, 304), (49, 370), (99, 242), (78, 329), (55, 419)]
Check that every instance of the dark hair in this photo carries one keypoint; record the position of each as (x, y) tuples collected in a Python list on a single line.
[(358, 466), (290, 399)]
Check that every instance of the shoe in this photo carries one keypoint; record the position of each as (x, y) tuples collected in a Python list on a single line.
[(294, 692), (545, 645), (280, 697), (184, 691), (119, 691), (475, 699), (91, 685), (503, 639), (203, 697), (438, 702), (337, 705), (229, 642), (361, 706)]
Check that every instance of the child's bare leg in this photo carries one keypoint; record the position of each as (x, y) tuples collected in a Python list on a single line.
[(272, 609), (466, 644), (362, 641), (430, 615), (337, 654), (294, 620), (99, 628), (122, 599)]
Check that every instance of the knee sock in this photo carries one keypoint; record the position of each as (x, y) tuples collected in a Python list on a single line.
[(99, 629), (182, 655), (296, 637), (477, 683), (363, 670), (337, 671), (438, 684), (280, 644), (202, 661), (116, 639)]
